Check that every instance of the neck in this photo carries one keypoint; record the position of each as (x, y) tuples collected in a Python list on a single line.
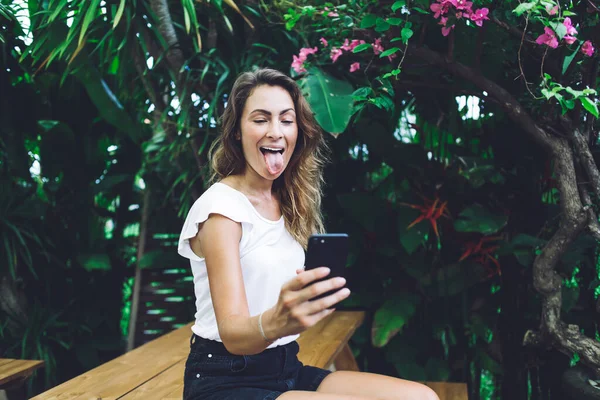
[(254, 184)]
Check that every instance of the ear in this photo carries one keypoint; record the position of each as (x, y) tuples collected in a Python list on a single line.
[(238, 136)]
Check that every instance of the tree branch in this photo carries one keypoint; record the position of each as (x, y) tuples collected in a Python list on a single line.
[(510, 105)]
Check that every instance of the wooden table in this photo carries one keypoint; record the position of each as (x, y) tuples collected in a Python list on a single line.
[(14, 373), (155, 370)]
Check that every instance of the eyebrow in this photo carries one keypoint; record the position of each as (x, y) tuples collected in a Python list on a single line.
[(259, 110)]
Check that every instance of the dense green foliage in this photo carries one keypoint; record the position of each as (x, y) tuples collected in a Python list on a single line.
[(107, 114)]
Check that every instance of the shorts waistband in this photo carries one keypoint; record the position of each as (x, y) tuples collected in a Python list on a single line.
[(201, 344)]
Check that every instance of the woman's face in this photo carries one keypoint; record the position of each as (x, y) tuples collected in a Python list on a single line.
[(268, 131)]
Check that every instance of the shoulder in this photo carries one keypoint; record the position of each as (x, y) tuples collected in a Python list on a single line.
[(220, 199)]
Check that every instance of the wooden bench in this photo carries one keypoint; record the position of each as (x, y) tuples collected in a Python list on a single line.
[(155, 370), (13, 374)]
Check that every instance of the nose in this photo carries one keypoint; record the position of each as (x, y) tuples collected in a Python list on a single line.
[(275, 130)]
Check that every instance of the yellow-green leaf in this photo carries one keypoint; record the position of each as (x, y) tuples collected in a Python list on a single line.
[(119, 14), (87, 20)]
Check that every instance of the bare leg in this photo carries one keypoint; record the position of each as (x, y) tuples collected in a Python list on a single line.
[(300, 395), (373, 386)]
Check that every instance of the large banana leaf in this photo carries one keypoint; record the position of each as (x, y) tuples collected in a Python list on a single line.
[(330, 99)]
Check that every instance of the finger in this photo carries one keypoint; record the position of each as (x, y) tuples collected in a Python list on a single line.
[(299, 270), (306, 277), (316, 306), (313, 319), (321, 287)]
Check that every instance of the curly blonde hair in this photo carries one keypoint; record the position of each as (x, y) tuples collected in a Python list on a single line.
[(300, 186)]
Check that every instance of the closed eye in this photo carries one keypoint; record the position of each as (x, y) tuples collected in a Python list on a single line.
[(287, 122), (260, 121)]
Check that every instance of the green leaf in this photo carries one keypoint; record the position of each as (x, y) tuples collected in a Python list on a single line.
[(330, 99), (394, 21), (568, 59), (398, 5), (361, 47), (547, 93), (382, 25), (524, 7), (570, 296), (93, 262), (87, 20), (560, 29), (119, 14), (406, 34), (478, 219), (392, 317), (589, 105), (411, 239), (363, 208), (389, 52), (186, 20), (368, 21)]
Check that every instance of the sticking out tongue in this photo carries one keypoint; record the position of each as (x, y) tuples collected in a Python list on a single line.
[(274, 161)]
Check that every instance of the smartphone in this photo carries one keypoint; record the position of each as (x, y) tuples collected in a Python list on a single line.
[(327, 250)]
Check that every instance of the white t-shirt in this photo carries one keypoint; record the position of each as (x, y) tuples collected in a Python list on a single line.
[(269, 256)]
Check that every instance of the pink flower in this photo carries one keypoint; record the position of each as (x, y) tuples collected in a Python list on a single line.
[(587, 48), (324, 42), (305, 51), (569, 39), (552, 10), (446, 30), (354, 67), (349, 46), (335, 53), (377, 47), (548, 38), (298, 64), (479, 16), (569, 25), (331, 13), (392, 56), (441, 8), (463, 5)]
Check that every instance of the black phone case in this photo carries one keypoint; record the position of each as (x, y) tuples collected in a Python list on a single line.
[(328, 250)]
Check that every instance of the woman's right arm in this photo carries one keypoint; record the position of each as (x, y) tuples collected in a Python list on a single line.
[(218, 241)]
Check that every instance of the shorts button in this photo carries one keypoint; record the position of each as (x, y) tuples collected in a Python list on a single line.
[(197, 375), (210, 355)]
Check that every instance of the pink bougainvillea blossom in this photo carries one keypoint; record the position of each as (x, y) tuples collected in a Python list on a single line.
[(331, 13), (392, 56), (349, 46), (305, 51), (569, 25), (552, 10), (569, 39), (479, 16), (354, 67), (298, 61), (447, 29), (377, 47), (463, 5), (335, 53), (324, 42), (548, 38), (587, 48), (298, 64)]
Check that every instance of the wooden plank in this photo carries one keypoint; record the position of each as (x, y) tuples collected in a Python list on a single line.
[(320, 345), (169, 384), (15, 369), (123, 374), (345, 361), (6, 360), (449, 390), (314, 350)]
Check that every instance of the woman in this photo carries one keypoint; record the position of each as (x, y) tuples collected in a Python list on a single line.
[(244, 237)]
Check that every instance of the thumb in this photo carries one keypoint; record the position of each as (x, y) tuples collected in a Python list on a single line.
[(299, 270)]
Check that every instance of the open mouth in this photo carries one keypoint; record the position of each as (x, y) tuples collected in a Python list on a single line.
[(273, 150)]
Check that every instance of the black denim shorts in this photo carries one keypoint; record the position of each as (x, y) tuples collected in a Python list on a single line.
[(213, 373)]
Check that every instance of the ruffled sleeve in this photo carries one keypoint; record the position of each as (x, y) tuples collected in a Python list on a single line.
[(213, 201)]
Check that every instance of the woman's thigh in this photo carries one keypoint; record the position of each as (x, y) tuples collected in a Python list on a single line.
[(374, 386), (300, 395)]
